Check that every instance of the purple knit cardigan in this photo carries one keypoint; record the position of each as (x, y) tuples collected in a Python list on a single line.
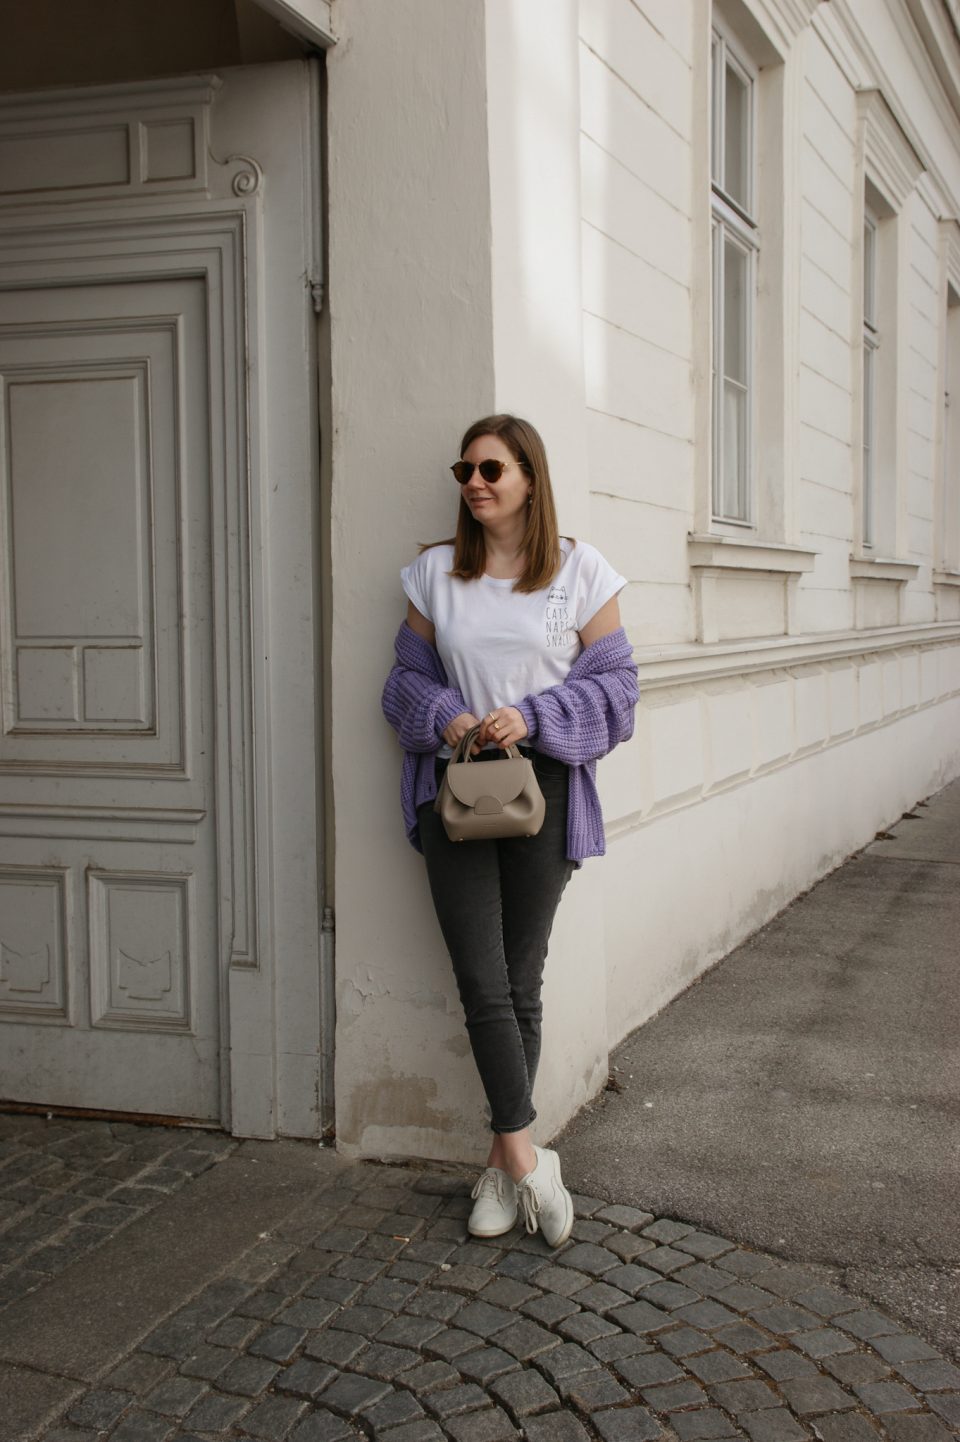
[(583, 718)]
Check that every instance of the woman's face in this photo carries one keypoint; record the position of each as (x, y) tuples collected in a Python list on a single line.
[(494, 502)]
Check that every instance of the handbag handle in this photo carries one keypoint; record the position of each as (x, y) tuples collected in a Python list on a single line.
[(465, 746)]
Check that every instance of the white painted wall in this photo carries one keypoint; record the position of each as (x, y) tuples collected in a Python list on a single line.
[(430, 328), (410, 334), (756, 767), (533, 122), (523, 225)]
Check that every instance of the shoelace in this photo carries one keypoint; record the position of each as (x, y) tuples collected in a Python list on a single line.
[(490, 1182), (529, 1199)]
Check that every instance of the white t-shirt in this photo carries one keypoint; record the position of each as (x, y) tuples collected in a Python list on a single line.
[(499, 645)]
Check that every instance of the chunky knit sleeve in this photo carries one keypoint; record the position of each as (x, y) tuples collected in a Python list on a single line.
[(416, 699), (591, 711)]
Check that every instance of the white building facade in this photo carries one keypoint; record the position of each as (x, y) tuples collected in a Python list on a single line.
[(250, 295)]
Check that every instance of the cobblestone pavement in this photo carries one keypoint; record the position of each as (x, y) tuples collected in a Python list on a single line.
[(66, 1187), (376, 1316)]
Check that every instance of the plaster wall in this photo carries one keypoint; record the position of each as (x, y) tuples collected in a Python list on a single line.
[(533, 121), (643, 267), (637, 100), (761, 777), (755, 846), (411, 363), (539, 246), (831, 220), (453, 203)]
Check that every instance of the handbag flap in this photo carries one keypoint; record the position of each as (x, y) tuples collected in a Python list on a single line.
[(469, 780)]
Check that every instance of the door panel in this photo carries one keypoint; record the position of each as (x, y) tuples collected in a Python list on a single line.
[(108, 899), (90, 505)]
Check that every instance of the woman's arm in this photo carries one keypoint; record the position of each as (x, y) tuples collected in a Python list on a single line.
[(461, 724), (592, 710), (418, 622), (607, 619), (419, 706)]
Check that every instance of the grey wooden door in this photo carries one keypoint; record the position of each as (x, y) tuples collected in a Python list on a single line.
[(109, 988)]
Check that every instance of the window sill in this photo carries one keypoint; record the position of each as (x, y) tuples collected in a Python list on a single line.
[(731, 553), (946, 578), (879, 568)]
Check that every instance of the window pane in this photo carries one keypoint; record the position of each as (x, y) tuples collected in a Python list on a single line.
[(868, 477), (869, 272), (716, 350), (950, 491), (715, 126), (737, 139), (733, 483), (735, 272)]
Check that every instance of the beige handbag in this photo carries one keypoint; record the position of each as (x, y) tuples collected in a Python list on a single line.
[(483, 801)]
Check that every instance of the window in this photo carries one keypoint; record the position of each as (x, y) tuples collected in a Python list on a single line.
[(948, 522), (882, 427), (744, 550), (890, 170), (736, 244), (871, 346)]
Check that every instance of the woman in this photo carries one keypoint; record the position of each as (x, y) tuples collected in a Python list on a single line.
[(516, 629)]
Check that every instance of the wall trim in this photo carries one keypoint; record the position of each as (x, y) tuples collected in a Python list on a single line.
[(879, 568), (732, 553), (892, 163), (124, 128), (842, 18), (633, 821), (689, 665), (310, 20)]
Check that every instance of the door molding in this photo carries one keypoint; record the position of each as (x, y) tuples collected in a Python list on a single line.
[(149, 140), (217, 245), (214, 236)]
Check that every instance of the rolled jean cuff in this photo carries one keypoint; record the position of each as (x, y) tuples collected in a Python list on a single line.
[(520, 1127)]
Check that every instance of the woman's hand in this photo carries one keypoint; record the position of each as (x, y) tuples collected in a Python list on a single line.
[(504, 727), (459, 727)]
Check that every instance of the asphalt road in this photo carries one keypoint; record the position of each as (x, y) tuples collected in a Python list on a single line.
[(803, 1097)]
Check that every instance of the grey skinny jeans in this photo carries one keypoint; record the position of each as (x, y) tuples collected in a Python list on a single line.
[(495, 902)]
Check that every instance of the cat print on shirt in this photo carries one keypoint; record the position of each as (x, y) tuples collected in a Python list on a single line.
[(558, 617)]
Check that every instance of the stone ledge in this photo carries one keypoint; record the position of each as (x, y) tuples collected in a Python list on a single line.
[(878, 568), (691, 663), (738, 554)]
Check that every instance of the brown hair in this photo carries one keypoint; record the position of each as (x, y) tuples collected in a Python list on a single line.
[(541, 538)]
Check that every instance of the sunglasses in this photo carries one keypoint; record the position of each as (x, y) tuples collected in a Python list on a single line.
[(491, 471)]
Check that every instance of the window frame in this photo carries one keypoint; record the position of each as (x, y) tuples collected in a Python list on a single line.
[(871, 359), (735, 223), (889, 170), (947, 542)]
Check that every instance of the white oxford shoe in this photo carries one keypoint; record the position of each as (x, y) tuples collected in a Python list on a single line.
[(545, 1201), (494, 1204)]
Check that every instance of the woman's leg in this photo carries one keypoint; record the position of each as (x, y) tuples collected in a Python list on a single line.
[(513, 1153), (465, 883), (533, 874)]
